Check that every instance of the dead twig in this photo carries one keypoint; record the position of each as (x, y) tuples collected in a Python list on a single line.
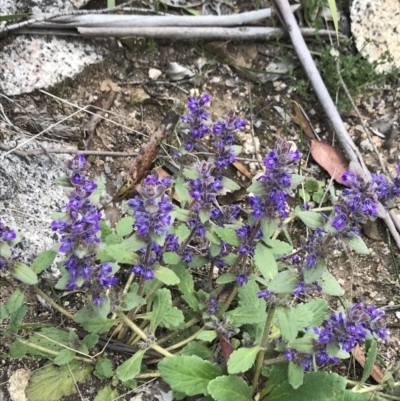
[(323, 95)]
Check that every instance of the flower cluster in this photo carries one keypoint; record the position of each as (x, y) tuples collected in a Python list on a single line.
[(79, 228), (225, 133), (353, 326), (6, 235), (196, 124), (276, 182), (343, 329), (360, 202), (385, 191), (152, 208)]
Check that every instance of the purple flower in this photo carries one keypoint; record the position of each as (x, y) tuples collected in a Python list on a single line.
[(264, 294), (152, 208), (277, 182), (241, 279)]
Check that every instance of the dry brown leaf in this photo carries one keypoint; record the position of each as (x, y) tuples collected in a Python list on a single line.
[(219, 49), (141, 166), (226, 347), (301, 121), (107, 85), (370, 229), (359, 354), (239, 166), (138, 94), (330, 159)]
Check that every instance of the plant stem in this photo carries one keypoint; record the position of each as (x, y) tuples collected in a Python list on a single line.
[(228, 302), (184, 342), (148, 375), (143, 335), (52, 303), (125, 290), (51, 352), (273, 361), (264, 341), (190, 323), (322, 209)]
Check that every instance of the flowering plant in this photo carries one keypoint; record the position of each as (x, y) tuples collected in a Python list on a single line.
[(261, 296)]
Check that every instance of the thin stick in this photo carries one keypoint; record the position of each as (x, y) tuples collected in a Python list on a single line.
[(322, 93), (52, 303)]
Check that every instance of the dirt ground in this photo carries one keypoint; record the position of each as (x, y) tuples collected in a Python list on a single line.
[(140, 105)]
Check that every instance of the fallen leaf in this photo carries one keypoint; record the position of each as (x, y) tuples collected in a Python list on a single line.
[(219, 49), (138, 94), (226, 347), (330, 159), (301, 120), (141, 166), (107, 85), (359, 355), (371, 230), (239, 166)]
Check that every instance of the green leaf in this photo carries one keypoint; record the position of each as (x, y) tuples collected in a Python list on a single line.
[(188, 374), (296, 375), (204, 216), (248, 295), (303, 316), (369, 361), (105, 230), (330, 285), (173, 319), (257, 188), (310, 219), (5, 250), (207, 335), (358, 244), (107, 393), (283, 282), (94, 318), (171, 258), (17, 350), (226, 278), (287, 323), (335, 16), (268, 227), (10, 17), (246, 315), (227, 235), (314, 274), (276, 375), (17, 317), (180, 214), (318, 307), (304, 344), (229, 388), (133, 243), (191, 173), (130, 301), (65, 356), (118, 254), (230, 184), (125, 226), (182, 190), (3, 312), (52, 383), (166, 275), (316, 386), (161, 305), (242, 360), (16, 301), (198, 261), (24, 273), (131, 367), (198, 349), (43, 261), (182, 232), (279, 247), (90, 340), (98, 325), (265, 261), (104, 368), (186, 282), (311, 185)]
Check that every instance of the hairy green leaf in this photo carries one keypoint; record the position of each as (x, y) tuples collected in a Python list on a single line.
[(43, 261), (173, 319), (131, 367), (24, 273), (296, 375), (188, 374), (65, 356), (330, 285), (229, 388), (107, 393), (104, 368), (198, 349), (369, 361), (16, 301), (227, 235), (287, 323), (171, 258), (166, 275), (310, 219), (265, 261), (242, 360), (283, 282), (161, 305), (124, 226)]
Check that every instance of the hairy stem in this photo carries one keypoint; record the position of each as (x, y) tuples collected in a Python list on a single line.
[(264, 341), (143, 335), (52, 303)]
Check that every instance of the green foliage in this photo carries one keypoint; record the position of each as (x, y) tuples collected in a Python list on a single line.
[(242, 359), (188, 374), (51, 383), (131, 367), (228, 388)]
